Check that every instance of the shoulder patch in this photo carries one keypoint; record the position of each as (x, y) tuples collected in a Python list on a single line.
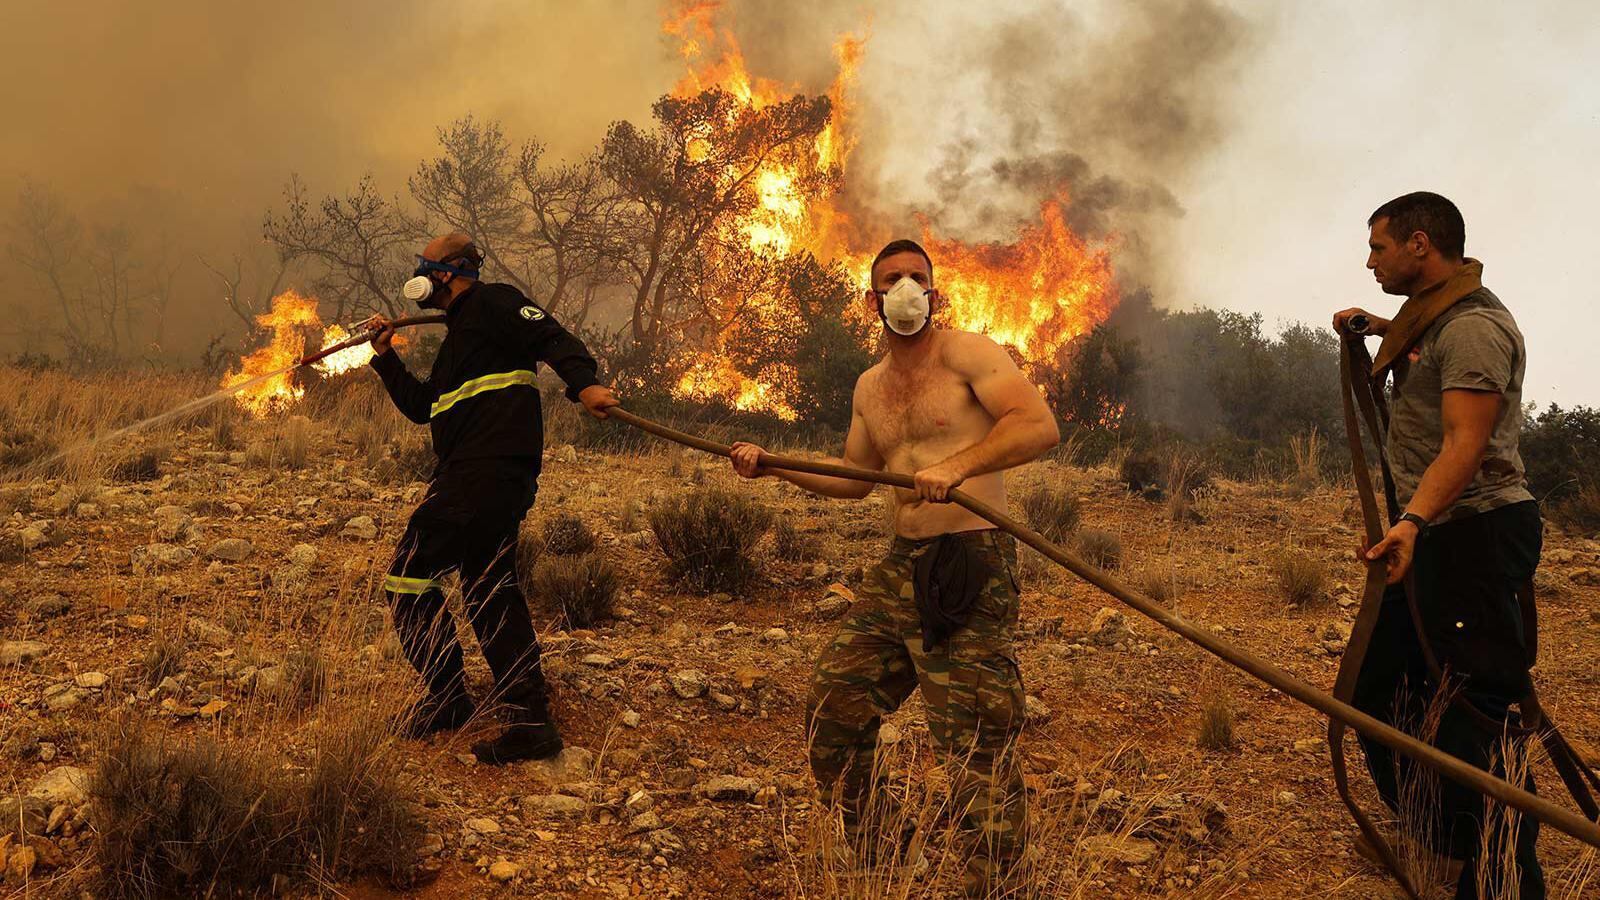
[(531, 313)]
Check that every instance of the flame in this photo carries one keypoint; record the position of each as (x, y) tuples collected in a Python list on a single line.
[(715, 379), (272, 367), (1034, 294)]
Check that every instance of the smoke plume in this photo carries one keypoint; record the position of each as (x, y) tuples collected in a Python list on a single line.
[(176, 125)]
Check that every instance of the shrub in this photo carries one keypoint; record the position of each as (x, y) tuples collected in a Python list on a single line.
[(794, 545), (224, 426), (202, 817), (142, 466), (1582, 510), (163, 660), (1307, 450), (1302, 579), (20, 447), (296, 444), (1052, 511), (306, 676), (1216, 723), (1561, 450), (583, 590), (1141, 473), (709, 536), (1161, 584), (1100, 548), (567, 535), (1186, 476)]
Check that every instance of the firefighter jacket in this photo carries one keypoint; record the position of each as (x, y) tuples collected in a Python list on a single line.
[(481, 400)]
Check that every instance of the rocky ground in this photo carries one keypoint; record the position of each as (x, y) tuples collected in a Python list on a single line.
[(189, 602)]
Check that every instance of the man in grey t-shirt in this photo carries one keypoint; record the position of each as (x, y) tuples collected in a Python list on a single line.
[(1468, 539)]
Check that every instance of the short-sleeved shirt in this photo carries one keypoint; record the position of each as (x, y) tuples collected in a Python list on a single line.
[(1475, 345)]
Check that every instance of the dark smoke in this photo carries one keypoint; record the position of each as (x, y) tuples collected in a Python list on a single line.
[(168, 129)]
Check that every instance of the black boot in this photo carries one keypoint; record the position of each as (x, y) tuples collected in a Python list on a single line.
[(438, 712), (530, 734)]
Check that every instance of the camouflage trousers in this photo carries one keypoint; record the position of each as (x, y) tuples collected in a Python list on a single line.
[(973, 692)]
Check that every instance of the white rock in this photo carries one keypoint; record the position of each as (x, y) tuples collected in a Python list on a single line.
[(688, 683), (63, 784), (570, 765), (558, 806), (92, 680), (360, 528), (775, 636), (730, 787), (155, 557), (17, 652), (173, 523), (1108, 627), (483, 826), (303, 556), (231, 550), (503, 871)]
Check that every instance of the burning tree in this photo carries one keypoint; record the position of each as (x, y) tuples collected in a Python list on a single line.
[(689, 238)]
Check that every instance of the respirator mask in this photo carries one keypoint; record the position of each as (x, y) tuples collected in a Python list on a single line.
[(905, 308), (427, 293)]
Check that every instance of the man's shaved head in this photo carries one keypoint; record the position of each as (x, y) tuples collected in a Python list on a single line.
[(448, 246)]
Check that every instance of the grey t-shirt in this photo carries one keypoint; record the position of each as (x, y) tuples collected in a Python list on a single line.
[(1474, 345)]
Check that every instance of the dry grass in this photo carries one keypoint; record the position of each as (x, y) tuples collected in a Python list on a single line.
[(710, 536), (566, 535), (1306, 450), (1100, 548), (1161, 583), (1053, 511), (583, 589), (1302, 579), (1581, 511), (1216, 723), (163, 659), (792, 544), (1082, 843), (186, 817)]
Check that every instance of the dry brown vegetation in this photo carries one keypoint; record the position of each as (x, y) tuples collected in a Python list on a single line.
[(178, 670)]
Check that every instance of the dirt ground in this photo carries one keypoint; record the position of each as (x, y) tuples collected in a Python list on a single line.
[(680, 690)]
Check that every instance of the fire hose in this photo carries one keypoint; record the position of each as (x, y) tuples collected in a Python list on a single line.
[(1336, 710), (366, 336)]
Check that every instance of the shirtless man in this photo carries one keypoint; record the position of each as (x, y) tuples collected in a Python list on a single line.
[(938, 612)]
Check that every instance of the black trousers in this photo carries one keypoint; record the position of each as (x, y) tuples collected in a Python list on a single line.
[(1467, 575), (468, 523)]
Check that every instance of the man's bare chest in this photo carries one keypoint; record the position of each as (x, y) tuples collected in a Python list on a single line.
[(918, 407)]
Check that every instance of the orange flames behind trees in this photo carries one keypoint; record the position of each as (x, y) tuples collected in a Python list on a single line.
[(1034, 294)]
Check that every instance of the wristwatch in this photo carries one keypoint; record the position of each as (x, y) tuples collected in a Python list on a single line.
[(1413, 518)]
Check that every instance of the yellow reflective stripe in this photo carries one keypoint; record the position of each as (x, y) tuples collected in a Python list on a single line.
[(479, 385), (394, 584)]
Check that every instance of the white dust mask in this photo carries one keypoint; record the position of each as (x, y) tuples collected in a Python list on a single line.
[(904, 307)]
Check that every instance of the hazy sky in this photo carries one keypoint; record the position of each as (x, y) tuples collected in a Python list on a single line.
[(1274, 127), (1344, 105)]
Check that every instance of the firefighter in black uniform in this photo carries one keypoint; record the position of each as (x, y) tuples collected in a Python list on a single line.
[(481, 401)]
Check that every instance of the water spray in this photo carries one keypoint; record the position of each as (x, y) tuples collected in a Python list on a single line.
[(193, 406)]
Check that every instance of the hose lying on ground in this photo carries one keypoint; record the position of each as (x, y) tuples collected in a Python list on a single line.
[(1447, 765)]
